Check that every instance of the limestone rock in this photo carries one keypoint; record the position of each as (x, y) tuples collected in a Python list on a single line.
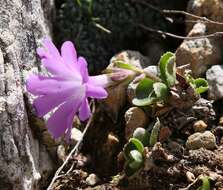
[(199, 126), (214, 77), (201, 140), (199, 53), (134, 118), (211, 9), (24, 161)]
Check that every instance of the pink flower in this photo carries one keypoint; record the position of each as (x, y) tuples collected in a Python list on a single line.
[(67, 89)]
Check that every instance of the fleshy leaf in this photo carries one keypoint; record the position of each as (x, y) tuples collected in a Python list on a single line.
[(136, 159), (205, 183), (161, 90), (129, 171), (135, 163), (142, 135), (123, 65), (167, 68), (201, 85), (145, 94), (155, 133), (133, 144)]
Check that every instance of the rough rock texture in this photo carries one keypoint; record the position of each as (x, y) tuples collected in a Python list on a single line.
[(24, 162), (215, 80), (116, 99), (198, 53), (201, 140), (211, 9), (134, 117)]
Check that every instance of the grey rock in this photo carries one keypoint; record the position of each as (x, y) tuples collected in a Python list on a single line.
[(24, 162), (211, 9), (199, 53), (214, 77), (201, 140)]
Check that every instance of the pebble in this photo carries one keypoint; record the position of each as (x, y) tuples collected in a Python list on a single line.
[(198, 140), (199, 126), (134, 118), (92, 179), (221, 121)]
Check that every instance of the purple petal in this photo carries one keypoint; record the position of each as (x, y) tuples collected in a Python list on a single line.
[(45, 104), (100, 80), (51, 48), (68, 53), (59, 69), (96, 91), (41, 85), (61, 120), (84, 112), (83, 68)]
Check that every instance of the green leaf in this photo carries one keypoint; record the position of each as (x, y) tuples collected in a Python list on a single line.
[(129, 171), (135, 162), (142, 135), (205, 183), (200, 85), (161, 90), (124, 65), (167, 68), (133, 144), (155, 133), (145, 94), (136, 159)]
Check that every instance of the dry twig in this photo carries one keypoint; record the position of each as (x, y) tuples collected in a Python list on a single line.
[(213, 35), (164, 12), (74, 150)]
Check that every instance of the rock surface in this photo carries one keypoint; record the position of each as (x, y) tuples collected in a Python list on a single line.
[(116, 99), (214, 77), (134, 118), (198, 53), (24, 161), (201, 140), (211, 9)]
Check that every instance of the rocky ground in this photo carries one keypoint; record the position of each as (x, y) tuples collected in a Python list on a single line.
[(190, 139)]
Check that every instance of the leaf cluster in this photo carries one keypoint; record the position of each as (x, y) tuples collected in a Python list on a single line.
[(134, 150)]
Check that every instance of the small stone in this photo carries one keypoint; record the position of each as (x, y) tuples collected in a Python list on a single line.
[(199, 53), (190, 176), (92, 179), (214, 77), (76, 135), (61, 152), (199, 126), (198, 140), (134, 118), (221, 121), (112, 139)]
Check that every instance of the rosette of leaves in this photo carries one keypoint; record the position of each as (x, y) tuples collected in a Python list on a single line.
[(134, 151), (150, 91)]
